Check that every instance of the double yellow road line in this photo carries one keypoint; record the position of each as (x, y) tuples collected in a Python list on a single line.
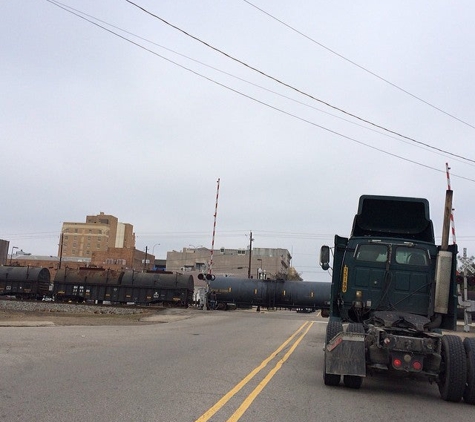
[(252, 396)]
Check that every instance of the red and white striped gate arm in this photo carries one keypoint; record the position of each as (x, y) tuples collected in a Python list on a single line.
[(452, 223), (210, 268)]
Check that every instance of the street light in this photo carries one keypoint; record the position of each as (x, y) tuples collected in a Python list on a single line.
[(11, 256), (153, 248), (196, 247), (153, 254)]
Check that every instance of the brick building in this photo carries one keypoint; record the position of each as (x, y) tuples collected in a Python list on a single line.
[(102, 241), (123, 259), (98, 233)]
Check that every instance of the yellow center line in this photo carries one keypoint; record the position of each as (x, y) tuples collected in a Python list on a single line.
[(212, 410), (251, 397)]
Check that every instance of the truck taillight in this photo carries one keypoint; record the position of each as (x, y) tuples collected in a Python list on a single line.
[(407, 363)]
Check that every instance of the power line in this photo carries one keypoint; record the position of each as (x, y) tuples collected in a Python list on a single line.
[(254, 84), (257, 100), (239, 233), (292, 87), (359, 66)]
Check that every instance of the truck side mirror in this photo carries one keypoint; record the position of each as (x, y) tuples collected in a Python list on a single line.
[(325, 257)]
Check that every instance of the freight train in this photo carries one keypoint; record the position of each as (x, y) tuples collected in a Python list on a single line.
[(101, 285), (25, 282), (229, 293), (122, 287), (97, 285)]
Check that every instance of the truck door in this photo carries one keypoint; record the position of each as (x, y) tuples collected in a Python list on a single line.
[(368, 274), (412, 279), (391, 277)]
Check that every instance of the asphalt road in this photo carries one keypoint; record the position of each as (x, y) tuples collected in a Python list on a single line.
[(200, 366)]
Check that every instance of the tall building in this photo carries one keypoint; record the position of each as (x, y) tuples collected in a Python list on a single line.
[(98, 233)]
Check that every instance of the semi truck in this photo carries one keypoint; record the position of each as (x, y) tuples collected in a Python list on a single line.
[(393, 307)]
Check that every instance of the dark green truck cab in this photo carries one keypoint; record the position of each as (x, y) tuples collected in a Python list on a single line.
[(393, 295)]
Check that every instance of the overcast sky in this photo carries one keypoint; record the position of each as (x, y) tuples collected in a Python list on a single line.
[(143, 129)]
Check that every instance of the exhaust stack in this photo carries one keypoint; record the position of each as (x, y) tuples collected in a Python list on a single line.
[(444, 262)]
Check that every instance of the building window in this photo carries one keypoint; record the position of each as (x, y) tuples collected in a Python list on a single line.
[(241, 252), (111, 261)]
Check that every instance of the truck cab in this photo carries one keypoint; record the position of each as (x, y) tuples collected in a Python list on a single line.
[(384, 274), (393, 293)]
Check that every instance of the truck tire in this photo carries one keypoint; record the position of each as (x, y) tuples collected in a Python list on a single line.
[(453, 375), (333, 328), (353, 381), (469, 392)]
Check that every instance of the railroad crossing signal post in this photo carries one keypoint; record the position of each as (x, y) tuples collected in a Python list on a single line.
[(468, 305)]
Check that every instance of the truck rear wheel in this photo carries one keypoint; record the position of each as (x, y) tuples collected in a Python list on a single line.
[(453, 376), (469, 392), (333, 328), (353, 381)]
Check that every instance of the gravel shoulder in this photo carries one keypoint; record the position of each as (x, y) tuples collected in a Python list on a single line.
[(30, 313)]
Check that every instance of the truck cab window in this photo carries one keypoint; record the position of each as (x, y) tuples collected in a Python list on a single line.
[(411, 256), (372, 253)]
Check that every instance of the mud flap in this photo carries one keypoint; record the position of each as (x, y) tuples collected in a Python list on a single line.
[(345, 355)]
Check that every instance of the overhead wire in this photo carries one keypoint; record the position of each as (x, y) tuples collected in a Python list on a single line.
[(239, 233), (257, 100), (35, 235), (292, 87), (262, 87), (358, 65)]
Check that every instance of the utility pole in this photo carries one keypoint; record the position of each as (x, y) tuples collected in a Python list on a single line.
[(250, 255), (61, 238), (145, 260)]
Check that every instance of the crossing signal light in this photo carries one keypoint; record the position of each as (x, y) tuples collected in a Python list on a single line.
[(206, 276)]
